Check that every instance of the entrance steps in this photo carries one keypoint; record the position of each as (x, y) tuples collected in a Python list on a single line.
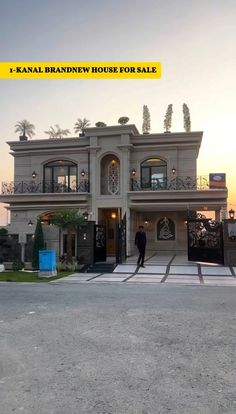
[(102, 267)]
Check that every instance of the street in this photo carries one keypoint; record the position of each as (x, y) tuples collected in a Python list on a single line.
[(117, 349)]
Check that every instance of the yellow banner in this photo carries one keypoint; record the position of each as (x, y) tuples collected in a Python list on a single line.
[(80, 70)]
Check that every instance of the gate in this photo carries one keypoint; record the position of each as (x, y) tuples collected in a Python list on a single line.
[(121, 241), (100, 250), (205, 240)]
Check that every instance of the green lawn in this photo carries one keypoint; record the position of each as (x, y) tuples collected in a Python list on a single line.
[(19, 276)]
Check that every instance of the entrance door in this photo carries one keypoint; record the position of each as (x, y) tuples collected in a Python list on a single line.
[(109, 218), (205, 240)]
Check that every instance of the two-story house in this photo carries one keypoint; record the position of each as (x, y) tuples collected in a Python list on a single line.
[(111, 173)]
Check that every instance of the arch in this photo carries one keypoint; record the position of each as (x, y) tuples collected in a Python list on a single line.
[(153, 173), (60, 175), (110, 174)]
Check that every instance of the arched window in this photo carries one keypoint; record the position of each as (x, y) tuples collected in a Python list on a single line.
[(60, 176), (153, 174), (110, 175)]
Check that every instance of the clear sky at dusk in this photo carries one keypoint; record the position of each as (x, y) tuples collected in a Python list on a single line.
[(194, 40)]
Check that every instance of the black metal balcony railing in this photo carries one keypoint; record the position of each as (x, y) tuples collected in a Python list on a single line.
[(29, 187), (178, 183)]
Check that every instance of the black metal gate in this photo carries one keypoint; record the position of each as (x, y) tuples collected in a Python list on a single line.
[(205, 240), (121, 241), (100, 250)]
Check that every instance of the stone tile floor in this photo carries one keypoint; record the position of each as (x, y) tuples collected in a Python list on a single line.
[(161, 269)]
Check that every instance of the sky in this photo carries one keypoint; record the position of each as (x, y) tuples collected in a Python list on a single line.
[(194, 41)]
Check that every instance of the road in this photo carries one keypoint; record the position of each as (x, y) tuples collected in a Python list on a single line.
[(117, 349)]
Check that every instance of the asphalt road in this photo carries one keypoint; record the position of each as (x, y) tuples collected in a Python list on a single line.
[(117, 349)]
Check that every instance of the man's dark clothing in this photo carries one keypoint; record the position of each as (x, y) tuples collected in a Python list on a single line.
[(140, 241)]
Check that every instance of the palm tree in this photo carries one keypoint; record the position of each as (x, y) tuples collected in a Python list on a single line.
[(58, 132), (80, 125), (68, 219), (25, 128)]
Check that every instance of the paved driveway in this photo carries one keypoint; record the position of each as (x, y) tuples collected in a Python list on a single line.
[(162, 269)]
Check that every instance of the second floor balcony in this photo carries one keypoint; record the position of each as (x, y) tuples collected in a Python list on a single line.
[(38, 187), (164, 183)]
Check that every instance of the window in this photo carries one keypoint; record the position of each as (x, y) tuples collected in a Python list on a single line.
[(153, 174), (60, 176)]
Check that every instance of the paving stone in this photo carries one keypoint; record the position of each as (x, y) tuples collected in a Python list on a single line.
[(216, 270), (125, 268), (108, 279), (195, 281), (191, 270), (152, 269)]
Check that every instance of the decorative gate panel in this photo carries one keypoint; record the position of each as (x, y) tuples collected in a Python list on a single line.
[(121, 241), (205, 240), (100, 243)]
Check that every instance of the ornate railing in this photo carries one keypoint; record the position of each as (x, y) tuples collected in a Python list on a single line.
[(177, 183), (29, 187)]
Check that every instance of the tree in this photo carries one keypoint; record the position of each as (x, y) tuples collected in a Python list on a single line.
[(168, 118), (187, 120), (81, 124), (68, 219), (58, 132), (146, 120), (3, 244), (25, 128), (123, 120), (38, 244), (100, 124)]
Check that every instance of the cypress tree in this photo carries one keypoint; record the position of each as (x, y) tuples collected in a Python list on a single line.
[(38, 244)]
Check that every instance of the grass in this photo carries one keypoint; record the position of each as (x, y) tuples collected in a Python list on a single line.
[(18, 276)]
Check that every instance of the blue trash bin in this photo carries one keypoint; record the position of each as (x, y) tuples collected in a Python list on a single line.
[(47, 263)]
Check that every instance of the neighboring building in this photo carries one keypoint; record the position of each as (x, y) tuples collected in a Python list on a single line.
[(111, 173)]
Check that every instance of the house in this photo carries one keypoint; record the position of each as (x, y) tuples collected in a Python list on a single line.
[(113, 174)]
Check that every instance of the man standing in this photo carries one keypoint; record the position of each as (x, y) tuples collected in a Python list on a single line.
[(140, 241)]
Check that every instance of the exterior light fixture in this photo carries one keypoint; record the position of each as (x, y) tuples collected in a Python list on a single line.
[(85, 216), (113, 216), (133, 172), (146, 221), (34, 174), (173, 170), (82, 173), (231, 213), (30, 224)]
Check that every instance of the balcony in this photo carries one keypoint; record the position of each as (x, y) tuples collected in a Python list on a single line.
[(39, 187), (176, 194), (177, 183)]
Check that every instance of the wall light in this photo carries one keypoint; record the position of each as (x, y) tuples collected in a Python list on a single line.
[(34, 174), (133, 172), (85, 216), (113, 216), (173, 170), (30, 223), (82, 173), (231, 213), (146, 221)]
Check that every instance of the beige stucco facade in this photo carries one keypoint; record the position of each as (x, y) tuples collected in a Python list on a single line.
[(143, 178)]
